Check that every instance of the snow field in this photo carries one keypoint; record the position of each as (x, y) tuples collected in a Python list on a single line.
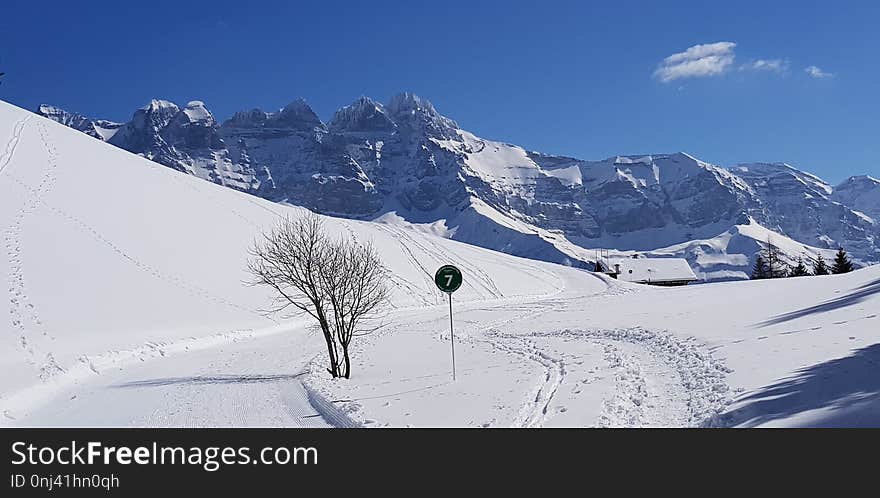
[(130, 307)]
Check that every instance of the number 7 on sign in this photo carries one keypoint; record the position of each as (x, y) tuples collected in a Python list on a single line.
[(448, 278)]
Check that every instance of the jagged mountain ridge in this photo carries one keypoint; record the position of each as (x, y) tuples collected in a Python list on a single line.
[(186, 139), (405, 161), (861, 193), (98, 128), (805, 208)]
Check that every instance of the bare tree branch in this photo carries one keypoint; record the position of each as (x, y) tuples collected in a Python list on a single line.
[(339, 283)]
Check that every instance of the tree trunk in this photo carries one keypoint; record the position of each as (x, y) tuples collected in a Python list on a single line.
[(347, 361), (331, 351)]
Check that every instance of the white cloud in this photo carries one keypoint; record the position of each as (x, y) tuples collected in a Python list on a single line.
[(816, 72), (771, 65), (699, 61), (713, 59)]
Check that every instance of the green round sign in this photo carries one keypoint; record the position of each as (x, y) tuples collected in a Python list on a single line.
[(448, 278)]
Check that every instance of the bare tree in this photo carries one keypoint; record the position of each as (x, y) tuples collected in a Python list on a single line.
[(339, 283), (354, 281)]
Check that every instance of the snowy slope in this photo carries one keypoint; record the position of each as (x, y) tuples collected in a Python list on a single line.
[(98, 274), (730, 255), (802, 352), (788, 352), (129, 309)]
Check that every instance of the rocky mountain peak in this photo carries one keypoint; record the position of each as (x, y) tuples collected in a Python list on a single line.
[(193, 127), (154, 116), (160, 105), (411, 111), (860, 180), (196, 112), (247, 119), (364, 115), (299, 115), (71, 119), (410, 103)]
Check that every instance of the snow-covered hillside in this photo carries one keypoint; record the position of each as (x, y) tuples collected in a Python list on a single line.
[(100, 276), (406, 162), (129, 308)]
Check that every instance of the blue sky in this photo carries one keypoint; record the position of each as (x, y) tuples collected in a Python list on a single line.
[(586, 79)]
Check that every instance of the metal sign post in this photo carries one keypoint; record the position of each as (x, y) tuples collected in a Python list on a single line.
[(451, 336), (448, 279)]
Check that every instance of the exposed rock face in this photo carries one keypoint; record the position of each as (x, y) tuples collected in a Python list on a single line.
[(406, 159), (861, 193), (803, 207), (187, 140), (98, 128)]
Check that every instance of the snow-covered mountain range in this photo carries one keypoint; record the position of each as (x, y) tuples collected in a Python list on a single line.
[(405, 163), (131, 307)]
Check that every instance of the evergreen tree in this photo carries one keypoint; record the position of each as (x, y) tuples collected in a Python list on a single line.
[(776, 267), (842, 264), (820, 267), (800, 270), (760, 269)]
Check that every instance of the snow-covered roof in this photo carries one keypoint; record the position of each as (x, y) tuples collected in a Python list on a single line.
[(654, 270)]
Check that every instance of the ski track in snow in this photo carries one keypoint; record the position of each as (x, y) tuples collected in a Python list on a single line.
[(660, 379), (523, 307), (534, 411), (396, 280), (12, 143), (33, 339), (416, 264), (441, 256)]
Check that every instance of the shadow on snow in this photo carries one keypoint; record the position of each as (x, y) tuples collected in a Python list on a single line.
[(847, 390), (213, 379), (857, 295)]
